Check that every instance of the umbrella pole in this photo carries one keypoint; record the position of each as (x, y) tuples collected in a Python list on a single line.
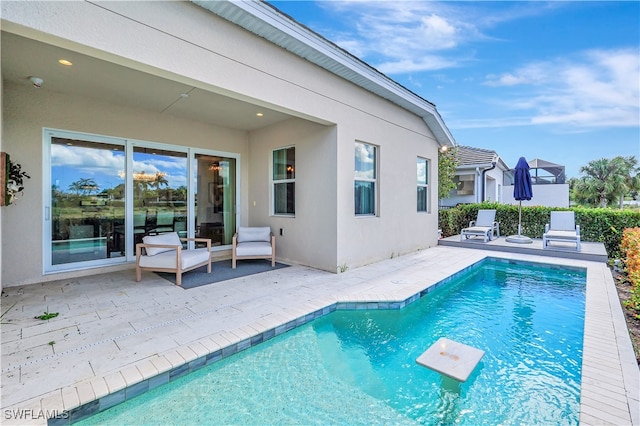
[(520, 219), (520, 239)]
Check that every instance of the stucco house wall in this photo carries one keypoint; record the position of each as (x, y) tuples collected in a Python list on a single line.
[(187, 45)]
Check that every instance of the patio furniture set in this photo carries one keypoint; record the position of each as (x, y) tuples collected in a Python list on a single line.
[(166, 253), (561, 228)]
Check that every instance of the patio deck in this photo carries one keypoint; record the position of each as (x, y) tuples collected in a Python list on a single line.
[(114, 336), (594, 252)]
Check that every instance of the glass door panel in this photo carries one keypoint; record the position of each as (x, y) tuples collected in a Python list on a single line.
[(87, 200), (215, 199), (159, 193)]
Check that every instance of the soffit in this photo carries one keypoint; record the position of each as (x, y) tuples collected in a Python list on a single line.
[(109, 82)]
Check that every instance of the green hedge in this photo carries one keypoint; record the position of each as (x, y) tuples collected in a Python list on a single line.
[(597, 225)]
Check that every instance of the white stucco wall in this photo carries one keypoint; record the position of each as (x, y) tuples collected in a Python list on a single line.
[(309, 238), (398, 228), (556, 195), (184, 43)]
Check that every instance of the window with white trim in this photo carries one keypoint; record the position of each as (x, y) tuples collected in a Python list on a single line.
[(422, 169), (365, 184), (284, 181)]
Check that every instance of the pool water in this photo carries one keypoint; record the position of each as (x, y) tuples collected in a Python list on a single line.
[(358, 367)]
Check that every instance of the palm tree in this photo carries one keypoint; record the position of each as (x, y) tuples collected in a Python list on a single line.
[(84, 186), (158, 182), (606, 180), (632, 177)]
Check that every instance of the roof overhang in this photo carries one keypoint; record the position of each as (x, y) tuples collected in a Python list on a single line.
[(269, 23)]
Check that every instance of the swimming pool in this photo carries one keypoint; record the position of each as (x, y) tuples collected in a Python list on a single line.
[(358, 367)]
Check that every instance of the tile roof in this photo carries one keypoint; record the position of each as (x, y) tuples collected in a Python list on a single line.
[(468, 155)]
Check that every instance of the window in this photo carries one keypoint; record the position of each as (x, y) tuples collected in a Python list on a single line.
[(284, 181), (422, 168), (465, 184), (365, 179)]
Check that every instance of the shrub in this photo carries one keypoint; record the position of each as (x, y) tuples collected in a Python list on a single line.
[(631, 250), (596, 225)]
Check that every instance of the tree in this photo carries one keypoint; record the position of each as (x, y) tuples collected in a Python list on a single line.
[(84, 185), (605, 181), (158, 182), (632, 178), (180, 193), (447, 164)]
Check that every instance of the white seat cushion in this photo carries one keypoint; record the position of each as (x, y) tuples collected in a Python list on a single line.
[(167, 259), (254, 233), (564, 235), (253, 248), (168, 238), (477, 230)]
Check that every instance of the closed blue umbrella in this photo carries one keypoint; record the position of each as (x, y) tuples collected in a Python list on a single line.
[(522, 190), (522, 181)]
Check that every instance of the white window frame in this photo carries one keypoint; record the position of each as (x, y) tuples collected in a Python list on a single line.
[(374, 180), (275, 182), (424, 185)]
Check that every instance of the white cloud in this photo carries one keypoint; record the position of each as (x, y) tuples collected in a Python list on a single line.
[(408, 36), (593, 89), (88, 161), (400, 37), (425, 63)]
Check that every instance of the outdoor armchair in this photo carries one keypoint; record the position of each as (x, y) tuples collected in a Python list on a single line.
[(561, 228), (484, 226), (164, 253), (253, 243)]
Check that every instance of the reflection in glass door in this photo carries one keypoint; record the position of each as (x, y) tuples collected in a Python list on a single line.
[(87, 200), (215, 199), (159, 193)]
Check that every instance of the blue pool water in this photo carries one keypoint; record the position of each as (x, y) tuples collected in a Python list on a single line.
[(358, 367)]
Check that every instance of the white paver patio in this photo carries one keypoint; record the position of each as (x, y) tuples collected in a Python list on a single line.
[(113, 332)]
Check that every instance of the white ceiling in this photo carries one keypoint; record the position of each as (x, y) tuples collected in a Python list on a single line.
[(95, 78)]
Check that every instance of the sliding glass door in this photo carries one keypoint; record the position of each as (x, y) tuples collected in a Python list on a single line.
[(159, 184), (215, 201), (106, 194), (87, 199)]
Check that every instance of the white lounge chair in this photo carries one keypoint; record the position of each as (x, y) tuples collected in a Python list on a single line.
[(484, 226), (164, 253), (253, 243), (562, 228)]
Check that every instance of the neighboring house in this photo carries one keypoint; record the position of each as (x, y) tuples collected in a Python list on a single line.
[(478, 177), (549, 187), (200, 117)]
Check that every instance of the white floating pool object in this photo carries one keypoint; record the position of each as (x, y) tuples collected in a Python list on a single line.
[(451, 358)]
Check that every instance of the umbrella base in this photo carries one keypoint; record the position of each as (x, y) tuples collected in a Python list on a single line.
[(519, 239)]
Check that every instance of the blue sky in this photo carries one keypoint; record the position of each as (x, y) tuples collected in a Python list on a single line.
[(559, 81)]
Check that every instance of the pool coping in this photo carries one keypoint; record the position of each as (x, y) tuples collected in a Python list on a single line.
[(610, 379)]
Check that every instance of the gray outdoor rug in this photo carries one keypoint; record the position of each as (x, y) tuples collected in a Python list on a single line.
[(221, 271)]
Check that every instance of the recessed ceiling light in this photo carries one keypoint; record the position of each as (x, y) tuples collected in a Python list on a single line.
[(184, 95), (65, 62), (259, 114)]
